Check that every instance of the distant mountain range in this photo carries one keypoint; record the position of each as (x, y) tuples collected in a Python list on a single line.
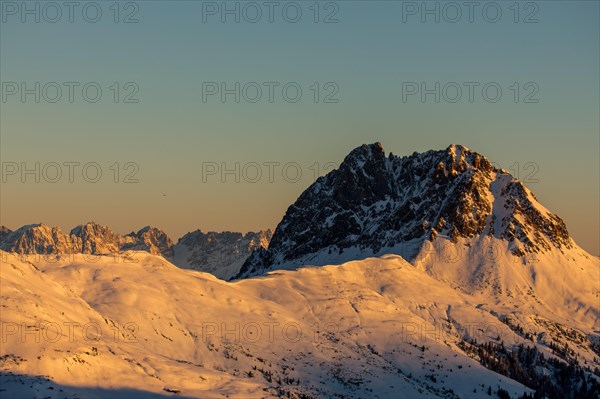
[(221, 254)]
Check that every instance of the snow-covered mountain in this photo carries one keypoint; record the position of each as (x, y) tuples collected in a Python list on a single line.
[(375, 204), (489, 298), (376, 328), (221, 254), (450, 214)]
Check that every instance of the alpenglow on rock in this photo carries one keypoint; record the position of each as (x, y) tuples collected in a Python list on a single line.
[(373, 203), (96, 239), (221, 254), (39, 239), (149, 239), (89, 238)]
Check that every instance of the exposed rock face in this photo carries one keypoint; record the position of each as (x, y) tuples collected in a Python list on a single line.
[(39, 239), (530, 223), (374, 202), (89, 238), (221, 254), (96, 239), (4, 232), (149, 239)]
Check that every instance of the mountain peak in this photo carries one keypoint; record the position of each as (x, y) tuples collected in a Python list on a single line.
[(365, 153), (145, 229), (96, 239), (371, 204), (457, 149), (89, 228), (149, 239)]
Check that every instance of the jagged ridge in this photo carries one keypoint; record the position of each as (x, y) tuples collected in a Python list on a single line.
[(374, 202), (219, 253)]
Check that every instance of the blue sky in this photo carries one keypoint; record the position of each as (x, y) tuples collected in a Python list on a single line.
[(365, 57)]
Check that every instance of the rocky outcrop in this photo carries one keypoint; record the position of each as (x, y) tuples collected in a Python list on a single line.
[(149, 239), (96, 239)]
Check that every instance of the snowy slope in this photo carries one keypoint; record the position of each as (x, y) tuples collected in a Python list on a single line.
[(376, 328)]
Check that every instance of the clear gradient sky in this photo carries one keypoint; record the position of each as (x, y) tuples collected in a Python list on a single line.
[(373, 48)]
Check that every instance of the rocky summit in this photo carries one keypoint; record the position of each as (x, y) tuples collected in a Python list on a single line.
[(374, 202)]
